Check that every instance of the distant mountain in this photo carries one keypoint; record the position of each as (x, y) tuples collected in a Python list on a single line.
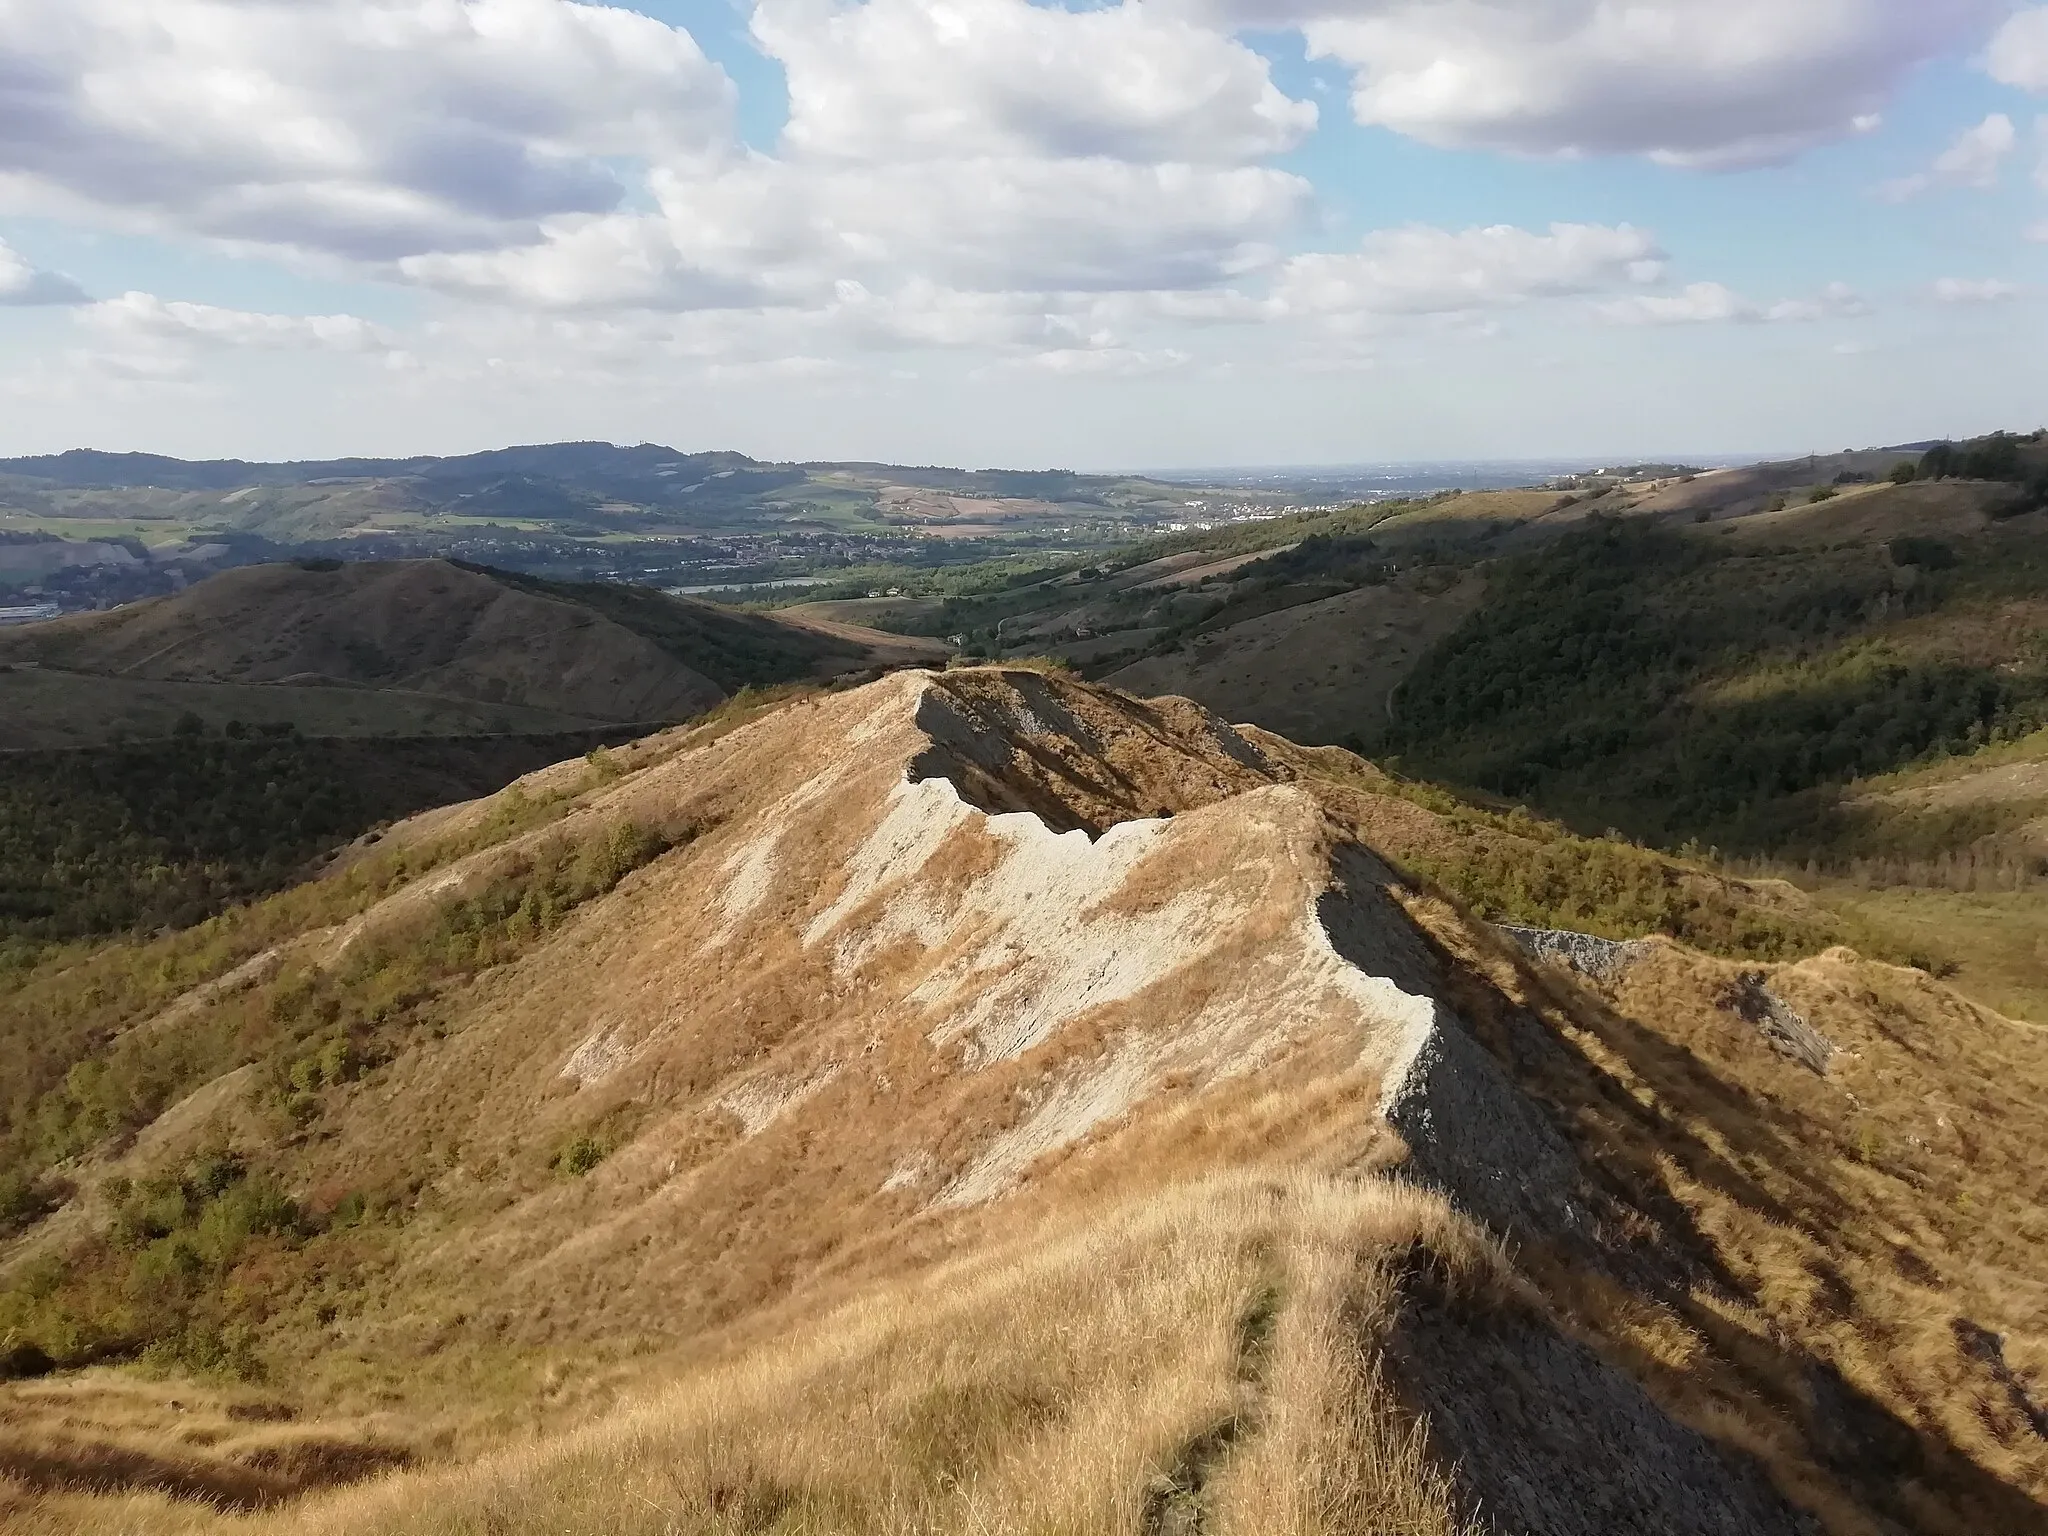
[(645, 473), (648, 463), (567, 490)]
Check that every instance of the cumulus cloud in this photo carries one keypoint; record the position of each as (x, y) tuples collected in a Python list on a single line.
[(23, 283), (364, 128), (2018, 55), (1715, 303), (1973, 160), (485, 146), (1071, 190), (1421, 270), (1704, 83), (965, 145), (1960, 290), (912, 79), (773, 231)]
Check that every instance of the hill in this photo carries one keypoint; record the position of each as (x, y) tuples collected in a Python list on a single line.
[(166, 758), (163, 834), (983, 1100), (1725, 683), (447, 647), (1646, 638)]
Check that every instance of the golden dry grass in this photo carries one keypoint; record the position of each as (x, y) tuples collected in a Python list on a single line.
[(1173, 1323), (1997, 940), (1872, 1227), (1207, 1353)]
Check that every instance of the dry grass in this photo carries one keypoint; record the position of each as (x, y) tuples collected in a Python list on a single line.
[(1997, 940), (1201, 1360), (1318, 672), (232, 1448), (1839, 1274), (1174, 1323)]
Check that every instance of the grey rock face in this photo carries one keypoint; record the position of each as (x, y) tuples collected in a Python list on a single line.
[(1602, 959)]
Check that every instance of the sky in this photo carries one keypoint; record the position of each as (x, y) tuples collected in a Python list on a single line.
[(1161, 233)]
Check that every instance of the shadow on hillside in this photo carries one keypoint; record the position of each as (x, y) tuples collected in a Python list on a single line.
[(1643, 1244), (102, 1467)]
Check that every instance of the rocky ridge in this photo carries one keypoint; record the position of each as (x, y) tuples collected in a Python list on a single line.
[(927, 957)]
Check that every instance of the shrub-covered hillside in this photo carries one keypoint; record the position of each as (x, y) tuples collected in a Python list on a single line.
[(163, 834), (1681, 685)]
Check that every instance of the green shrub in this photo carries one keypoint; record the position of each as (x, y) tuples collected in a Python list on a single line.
[(165, 834), (581, 1155), (170, 1281), (1930, 554)]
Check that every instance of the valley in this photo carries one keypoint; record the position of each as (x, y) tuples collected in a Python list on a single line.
[(93, 528)]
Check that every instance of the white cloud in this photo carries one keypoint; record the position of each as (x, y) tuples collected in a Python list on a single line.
[(1715, 303), (2019, 53), (774, 232), (1959, 290), (1973, 160), (1706, 83), (367, 128), (1100, 362), (609, 261), (145, 318), (961, 145), (1697, 304), (485, 147), (1421, 270), (1837, 301), (23, 283), (1069, 192), (890, 80)]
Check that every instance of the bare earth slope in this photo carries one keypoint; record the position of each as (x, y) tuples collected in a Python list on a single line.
[(994, 1102)]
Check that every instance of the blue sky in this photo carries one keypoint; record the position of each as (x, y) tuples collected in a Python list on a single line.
[(1191, 232)]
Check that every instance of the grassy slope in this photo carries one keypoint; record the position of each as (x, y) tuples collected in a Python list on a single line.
[(1507, 866), (966, 1380), (1069, 1377), (735, 650), (1320, 671), (1991, 945), (419, 626)]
